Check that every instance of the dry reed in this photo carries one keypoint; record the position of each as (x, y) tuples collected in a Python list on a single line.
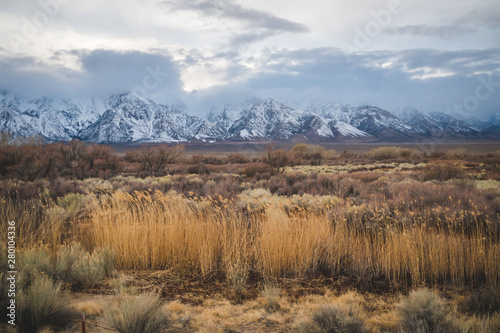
[(205, 235)]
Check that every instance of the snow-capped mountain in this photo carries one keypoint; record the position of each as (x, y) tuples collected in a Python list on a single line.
[(437, 124), (119, 118), (133, 118), (271, 120)]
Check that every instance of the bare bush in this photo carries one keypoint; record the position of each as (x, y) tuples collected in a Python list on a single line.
[(154, 159), (277, 159)]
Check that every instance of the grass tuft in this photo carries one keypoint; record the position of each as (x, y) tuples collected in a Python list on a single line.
[(333, 319), (424, 311), (136, 314)]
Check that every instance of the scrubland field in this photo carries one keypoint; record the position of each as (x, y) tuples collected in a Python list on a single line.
[(302, 239)]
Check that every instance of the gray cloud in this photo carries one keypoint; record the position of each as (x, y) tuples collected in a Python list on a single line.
[(441, 31), (307, 74), (103, 72), (266, 24), (323, 74), (486, 13)]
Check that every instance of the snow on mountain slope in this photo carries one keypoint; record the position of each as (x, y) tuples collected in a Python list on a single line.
[(265, 119), (133, 118), (269, 119), (435, 124), (348, 130)]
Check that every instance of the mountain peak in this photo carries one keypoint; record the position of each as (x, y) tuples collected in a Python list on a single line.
[(130, 117)]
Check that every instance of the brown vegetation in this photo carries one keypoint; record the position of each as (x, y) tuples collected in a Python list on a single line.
[(252, 226)]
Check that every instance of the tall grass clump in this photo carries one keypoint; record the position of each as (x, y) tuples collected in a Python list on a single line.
[(136, 314), (405, 246), (43, 304), (168, 231), (35, 225)]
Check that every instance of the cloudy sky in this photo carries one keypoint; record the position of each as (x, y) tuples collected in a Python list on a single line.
[(436, 55)]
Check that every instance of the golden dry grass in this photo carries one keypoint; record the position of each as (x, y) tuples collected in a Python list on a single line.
[(202, 235)]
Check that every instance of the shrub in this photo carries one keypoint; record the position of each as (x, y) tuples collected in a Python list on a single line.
[(388, 153), (154, 159), (88, 270), (442, 172), (277, 160), (253, 169), (136, 314), (237, 158), (313, 154), (73, 204), (482, 302), (424, 311), (43, 304), (32, 262), (456, 153), (333, 319), (83, 269)]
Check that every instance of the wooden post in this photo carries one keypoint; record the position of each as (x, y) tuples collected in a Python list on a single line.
[(84, 328)]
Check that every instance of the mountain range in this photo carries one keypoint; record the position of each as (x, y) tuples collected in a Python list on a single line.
[(124, 118)]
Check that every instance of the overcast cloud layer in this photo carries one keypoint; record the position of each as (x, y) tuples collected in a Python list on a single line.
[(436, 55)]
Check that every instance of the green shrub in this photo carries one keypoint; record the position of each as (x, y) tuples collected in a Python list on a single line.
[(84, 270), (43, 304), (74, 204), (88, 270), (35, 258), (333, 319), (31, 262), (108, 258), (67, 256), (424, 311), (136, 314)]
